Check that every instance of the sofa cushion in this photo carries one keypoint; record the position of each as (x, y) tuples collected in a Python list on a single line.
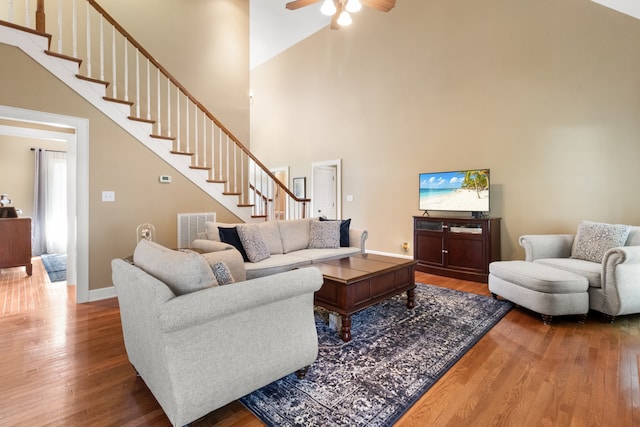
[(271, 236), (275, 264), (182, 271), (222, 273), (324, 234), (344, 231), (320, 255), (591, 270), (294, 234), (593, 239), (539, 277), (230, 235), (252, 242)]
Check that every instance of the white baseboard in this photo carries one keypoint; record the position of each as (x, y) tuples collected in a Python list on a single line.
[(102, 293), (390, 254)]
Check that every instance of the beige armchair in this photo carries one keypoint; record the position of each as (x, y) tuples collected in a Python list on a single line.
[(614, 282), (207, 345)]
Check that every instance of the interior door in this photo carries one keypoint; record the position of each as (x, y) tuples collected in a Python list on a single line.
[(324, 192)]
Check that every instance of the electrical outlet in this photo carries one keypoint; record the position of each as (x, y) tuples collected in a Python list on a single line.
[(108, 196), (405, 246)]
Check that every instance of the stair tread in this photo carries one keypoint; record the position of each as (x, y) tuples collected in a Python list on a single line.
[(141, 119), (92, 80), (63, 56), (181, 153), (169, 138), (119, 101)]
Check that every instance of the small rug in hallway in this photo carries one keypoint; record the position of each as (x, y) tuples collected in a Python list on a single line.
[(394, 357), (56, 266)]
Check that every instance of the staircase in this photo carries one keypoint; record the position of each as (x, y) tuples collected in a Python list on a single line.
[(86, 49)]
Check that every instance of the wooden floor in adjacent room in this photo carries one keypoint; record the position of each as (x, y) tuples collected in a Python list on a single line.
[(64, 364)]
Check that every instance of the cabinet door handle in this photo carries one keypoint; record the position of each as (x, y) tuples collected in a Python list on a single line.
[(444, 251)]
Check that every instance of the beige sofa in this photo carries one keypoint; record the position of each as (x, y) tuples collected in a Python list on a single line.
[(608, 255), (199, 346), (290, 243)]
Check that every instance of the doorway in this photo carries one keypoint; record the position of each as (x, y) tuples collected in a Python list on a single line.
[(326, 185), (77, 183), (279, 199)]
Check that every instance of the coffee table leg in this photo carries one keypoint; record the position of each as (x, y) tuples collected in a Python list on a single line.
[(346, 328), (411, 298)]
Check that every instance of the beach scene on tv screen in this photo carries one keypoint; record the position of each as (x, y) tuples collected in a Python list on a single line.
[(455, 191)]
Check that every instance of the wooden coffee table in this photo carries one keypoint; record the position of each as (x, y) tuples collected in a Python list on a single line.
[(360, 281)]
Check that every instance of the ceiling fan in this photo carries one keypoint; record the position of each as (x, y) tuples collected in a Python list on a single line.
[(340, 9)]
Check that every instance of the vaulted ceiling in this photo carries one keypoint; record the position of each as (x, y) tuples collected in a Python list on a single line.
[(275, 28)]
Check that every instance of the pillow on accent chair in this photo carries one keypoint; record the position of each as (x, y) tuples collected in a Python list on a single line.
[(252, 242), (344, 231), (324, 234), (593, 239), (182, 272), (230, 235), (222, 273)]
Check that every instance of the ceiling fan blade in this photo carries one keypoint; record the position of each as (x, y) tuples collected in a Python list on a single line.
[(297, 4), (382, 5)]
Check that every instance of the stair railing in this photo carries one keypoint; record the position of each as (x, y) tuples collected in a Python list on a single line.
[(108, 54)]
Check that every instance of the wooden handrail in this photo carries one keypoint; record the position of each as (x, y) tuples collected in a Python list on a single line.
[(188, 94), (40, 28)]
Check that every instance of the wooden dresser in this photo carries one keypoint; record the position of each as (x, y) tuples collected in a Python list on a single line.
[(15, 243)]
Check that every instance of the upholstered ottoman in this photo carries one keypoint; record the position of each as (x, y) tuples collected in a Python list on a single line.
[(545, 290)]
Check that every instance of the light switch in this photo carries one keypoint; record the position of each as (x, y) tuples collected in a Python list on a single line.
[(108, 196), (349, 198)]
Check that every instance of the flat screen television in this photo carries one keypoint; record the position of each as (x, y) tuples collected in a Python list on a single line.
[(455, 191)]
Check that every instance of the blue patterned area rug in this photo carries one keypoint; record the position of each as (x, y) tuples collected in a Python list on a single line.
[(394, 357), (56, 266)]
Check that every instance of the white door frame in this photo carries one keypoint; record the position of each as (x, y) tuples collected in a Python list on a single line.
[(77, 187), (337, 163)]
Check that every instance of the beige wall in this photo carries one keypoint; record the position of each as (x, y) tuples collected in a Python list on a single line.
[(203, 43), (546, 94), (119, 163), (17, 168)]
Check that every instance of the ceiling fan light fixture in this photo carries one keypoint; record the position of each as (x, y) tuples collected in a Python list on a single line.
[(344, 19), (328, 8), (353, 6)]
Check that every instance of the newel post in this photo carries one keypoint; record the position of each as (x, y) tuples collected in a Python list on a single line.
[(40, 24)]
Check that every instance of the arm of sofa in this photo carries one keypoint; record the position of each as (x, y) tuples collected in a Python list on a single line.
[(357, 238), (538, 246), (215, 303), (621, 281), (206, 245)]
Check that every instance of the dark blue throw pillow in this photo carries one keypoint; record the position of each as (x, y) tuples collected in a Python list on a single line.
[(344, 231), (230, 235)]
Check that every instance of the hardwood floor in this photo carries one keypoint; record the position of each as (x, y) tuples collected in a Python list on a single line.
[(64, 364)]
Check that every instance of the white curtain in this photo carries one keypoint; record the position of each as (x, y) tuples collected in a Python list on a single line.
[(50, 202)]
